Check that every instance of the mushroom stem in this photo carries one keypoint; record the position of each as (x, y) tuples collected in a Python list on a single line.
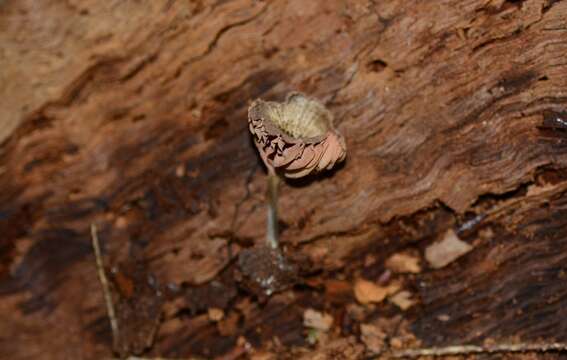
[(272, 233)]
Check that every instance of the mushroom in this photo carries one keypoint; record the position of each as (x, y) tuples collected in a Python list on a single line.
[(294, 138)]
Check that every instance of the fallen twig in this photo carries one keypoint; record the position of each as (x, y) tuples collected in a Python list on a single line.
[(105, 287), (473, 349)]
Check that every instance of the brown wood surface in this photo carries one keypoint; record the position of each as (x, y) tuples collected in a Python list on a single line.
[(132, 115)]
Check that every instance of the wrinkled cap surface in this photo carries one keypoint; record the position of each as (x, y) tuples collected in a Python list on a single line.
[(296, 137)]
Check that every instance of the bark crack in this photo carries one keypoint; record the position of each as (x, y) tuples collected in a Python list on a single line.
[(212, 45), (214, 42)]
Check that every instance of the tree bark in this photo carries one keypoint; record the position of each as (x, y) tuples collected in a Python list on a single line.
[(132, 115)]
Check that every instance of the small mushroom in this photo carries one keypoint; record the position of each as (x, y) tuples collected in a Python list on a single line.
[(297, 137), (294, 138)]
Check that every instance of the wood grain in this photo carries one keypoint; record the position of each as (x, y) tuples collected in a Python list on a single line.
[(132, 115)]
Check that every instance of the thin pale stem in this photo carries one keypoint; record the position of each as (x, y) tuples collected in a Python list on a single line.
[(272, 233), (105, 286)]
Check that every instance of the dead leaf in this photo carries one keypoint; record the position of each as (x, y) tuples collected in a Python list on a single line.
[(317, 320), (373, 337), (402, 300), (368, 292), (403, 263), (446, 251), (396, 343)]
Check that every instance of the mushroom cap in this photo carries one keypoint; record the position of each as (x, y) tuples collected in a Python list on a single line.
[(296, 137)]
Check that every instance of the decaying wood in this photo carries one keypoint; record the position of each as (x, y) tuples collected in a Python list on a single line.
[(133, 115)]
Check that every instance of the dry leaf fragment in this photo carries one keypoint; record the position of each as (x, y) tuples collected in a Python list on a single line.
[(368, 292), (373, 337), (402, 300), (446, 251), (317, 320), (403, 263)]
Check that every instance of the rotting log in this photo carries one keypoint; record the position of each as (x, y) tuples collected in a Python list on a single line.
[(132, 115)]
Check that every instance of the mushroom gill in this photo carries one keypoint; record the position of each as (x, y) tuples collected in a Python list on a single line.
[(296, 137)]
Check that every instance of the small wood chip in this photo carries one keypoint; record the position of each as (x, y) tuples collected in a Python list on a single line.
[(180, 171), (317, 320), (403, 263), (263, 355), (446, 251), (368, 292), (215, 314), (338, 290), (228, 326)]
